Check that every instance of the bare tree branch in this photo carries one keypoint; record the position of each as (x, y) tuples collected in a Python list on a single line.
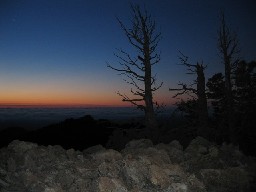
[(183, 90), (128, 70), (125, 98)]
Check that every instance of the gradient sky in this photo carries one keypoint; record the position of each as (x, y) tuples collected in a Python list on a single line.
[(55, 51)]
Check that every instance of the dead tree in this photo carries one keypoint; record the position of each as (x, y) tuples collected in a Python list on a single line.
[(198, 93), (137, 69), (228, 48)]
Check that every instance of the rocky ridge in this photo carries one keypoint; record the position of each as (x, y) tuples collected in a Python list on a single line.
[(139, 167)]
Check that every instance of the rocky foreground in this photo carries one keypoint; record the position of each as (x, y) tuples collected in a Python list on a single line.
[(140, 167)]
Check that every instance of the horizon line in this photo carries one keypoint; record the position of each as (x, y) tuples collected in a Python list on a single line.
[(11, 105), (58, 105)]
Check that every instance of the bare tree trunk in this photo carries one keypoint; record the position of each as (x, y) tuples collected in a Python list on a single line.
[(201, 109), (150, 117), (229, 97), (228, 47), (202, 102)]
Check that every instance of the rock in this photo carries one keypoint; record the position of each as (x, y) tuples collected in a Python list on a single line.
[(198, 146), (231, 179), (21, 146), (107, 184), (140, 167), (137, 144), (11, 165), (93, 149), (135, 174), (112, 170), (231, 155), (179, 187), (174, 150), (176, 145), (158, 177), (214, 151), (201, 154), (109, 155)]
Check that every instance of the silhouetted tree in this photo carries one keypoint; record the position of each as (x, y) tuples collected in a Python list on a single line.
[(245, 86), (244, 108), (228, 48), (188, 109), (198, 94), (143, 37), (216, 97), (245, 90), (245, 96)]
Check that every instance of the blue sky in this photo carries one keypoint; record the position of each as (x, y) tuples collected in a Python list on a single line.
[(55, 51)]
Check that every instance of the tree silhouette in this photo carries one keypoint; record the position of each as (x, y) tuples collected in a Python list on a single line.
[(198, 94), (215, 94), (137, 70), (245, 96), (228, 48), (245, 90), (245, 85), (244, 108)]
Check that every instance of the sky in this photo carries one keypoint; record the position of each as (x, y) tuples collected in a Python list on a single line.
[(55, 52)]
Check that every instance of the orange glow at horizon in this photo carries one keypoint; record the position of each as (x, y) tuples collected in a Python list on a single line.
[(59, 101), (17, 99), (56, 94), (58, 98), (67, 94)]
